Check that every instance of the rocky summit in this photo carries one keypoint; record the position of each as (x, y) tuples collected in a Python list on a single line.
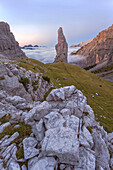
[(61, 47), (9, 47), (99, 49)]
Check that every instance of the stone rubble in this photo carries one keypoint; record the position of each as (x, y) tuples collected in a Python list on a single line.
[(64, 135), (17, 97)]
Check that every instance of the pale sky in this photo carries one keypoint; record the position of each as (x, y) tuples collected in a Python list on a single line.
[(37, 21)]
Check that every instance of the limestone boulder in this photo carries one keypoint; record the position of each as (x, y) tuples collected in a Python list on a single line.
[(53, 120), (61, 93), (29, 145), (86, 160), (41, 110), (39, 130), (63, 143), (47, 163)]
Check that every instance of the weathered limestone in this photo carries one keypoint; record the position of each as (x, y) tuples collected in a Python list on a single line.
[(47, 163), (61, 47), (101, 151), (39, 130), (100, 49), (86, 138), (29, 145), (7, 141), (9, 47), (14, 166), (64, 134), (86, 160), (63, 143), (53, 120)]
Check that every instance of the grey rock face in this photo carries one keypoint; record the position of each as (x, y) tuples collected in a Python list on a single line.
[(24, 167), (61, 93), (42, 110), (101, 151), (29, 148), (7, 141), (63, 143), (73, 123), (12, 85), (86, 138), (3, 126), (47, 163), (32, 162), (8, 45), (14, 166), (86, 160), (53, 120), (61, 47), (39, 130)]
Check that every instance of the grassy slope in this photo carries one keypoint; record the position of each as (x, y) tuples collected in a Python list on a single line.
[(89, 83)]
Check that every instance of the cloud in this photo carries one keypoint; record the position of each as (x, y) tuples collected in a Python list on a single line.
[(47, 54)]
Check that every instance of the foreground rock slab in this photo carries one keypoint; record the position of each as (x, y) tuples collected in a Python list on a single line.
[(63, 143)]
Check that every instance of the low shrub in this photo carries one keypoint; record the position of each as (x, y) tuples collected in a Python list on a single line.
[(46, 78), (25, 82)]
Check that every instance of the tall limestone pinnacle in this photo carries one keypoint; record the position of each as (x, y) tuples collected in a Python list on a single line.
[(9, 47), (61, 47)]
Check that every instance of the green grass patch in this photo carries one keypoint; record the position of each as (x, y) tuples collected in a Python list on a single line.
[(5, 119), (25, 82), (90, 129), (24, 131), (35, 85), (2, 78), (20, 153), (45, 96)]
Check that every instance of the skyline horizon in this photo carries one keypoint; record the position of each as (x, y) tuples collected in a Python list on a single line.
[(37, 21), (51, 45)]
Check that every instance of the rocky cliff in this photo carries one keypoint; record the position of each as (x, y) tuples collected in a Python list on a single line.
[(99, 49), (61, 47), (9, 47)]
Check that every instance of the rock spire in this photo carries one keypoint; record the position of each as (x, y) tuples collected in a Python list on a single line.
[(61, 47)]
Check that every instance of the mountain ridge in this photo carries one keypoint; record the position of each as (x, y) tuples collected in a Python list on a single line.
[(99, 49)]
